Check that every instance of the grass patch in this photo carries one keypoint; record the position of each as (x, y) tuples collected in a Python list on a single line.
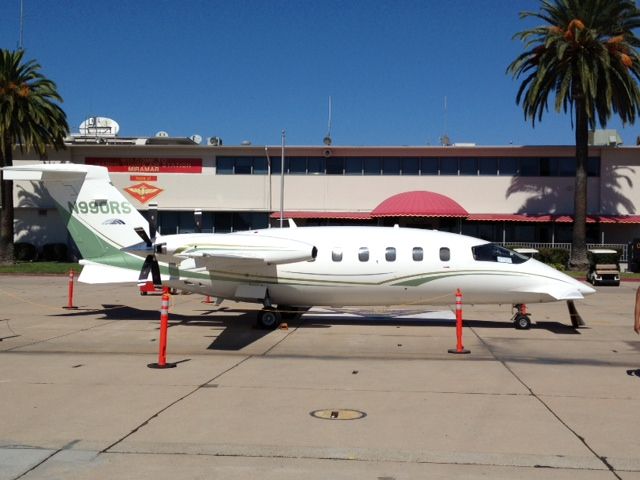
[(41, 268)]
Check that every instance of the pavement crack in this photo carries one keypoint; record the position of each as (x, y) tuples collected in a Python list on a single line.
[(582, 440), (46, 459), (175, 402), (281, 340), (44, 340)]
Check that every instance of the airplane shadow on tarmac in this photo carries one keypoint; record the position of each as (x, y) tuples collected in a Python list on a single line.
[(326, 321), (238, 330), (235, 331)]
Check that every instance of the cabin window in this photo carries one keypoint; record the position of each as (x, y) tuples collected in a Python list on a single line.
[(445, 254), (390, 254), (418, 254), (363, 254), (336, 255), (490, 252)]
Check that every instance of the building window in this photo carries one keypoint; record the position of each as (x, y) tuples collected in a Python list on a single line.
[(449, 166), (363, 254), (298, 165), (549, 167), (488, 166), (276, 163), (445, 254), (335, 166), (566, 167), (391, 166), (429, 166), (224, 165), (418, 254), (372, 166), (468, 166), (410, 166), (353, 166), (508, 167), (336, 254), (529, 167), (390, 254), (260, 166), (244, 166), (315, 165)]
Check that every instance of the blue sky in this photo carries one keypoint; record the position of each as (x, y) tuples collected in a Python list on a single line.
[(246, 69)]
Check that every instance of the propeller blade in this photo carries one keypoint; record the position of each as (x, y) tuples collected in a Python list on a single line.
[(155, 273), (576, 319), (146, 269), (143, 235)]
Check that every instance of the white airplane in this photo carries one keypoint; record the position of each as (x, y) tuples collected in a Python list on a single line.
[(289, 270)]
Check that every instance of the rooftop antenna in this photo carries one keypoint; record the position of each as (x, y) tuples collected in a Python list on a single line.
[(21, 24), (444, 139), (327, 140)]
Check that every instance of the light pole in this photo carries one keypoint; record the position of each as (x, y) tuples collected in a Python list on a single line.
[(282, 181)]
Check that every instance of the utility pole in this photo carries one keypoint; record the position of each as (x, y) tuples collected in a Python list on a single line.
[(282, 181)]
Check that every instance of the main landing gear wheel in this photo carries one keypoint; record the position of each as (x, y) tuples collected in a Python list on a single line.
[(269, 318)]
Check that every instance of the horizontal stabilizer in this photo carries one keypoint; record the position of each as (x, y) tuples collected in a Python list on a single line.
[(100, 273), (54, 172)]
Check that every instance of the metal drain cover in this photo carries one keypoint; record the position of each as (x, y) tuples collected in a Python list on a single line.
[(338, 414)]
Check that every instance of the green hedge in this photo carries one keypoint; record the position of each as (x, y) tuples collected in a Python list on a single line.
[(24, 252), (55, 252), (554, 256)]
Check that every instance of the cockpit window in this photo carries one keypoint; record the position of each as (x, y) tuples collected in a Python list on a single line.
[(490, 252)]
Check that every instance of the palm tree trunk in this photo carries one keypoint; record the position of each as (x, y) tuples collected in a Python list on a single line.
[(579, 259), (6, 212)]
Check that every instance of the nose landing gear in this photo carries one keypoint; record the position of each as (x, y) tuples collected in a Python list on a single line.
[(521, 318)]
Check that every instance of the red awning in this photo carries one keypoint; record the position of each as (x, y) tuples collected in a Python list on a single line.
[(325, 215), (618, 218), (518, 217), (419, 204)]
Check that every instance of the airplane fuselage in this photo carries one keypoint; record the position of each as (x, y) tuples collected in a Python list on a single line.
[(368, 266)]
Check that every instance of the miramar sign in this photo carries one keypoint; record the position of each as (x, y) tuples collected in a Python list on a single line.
[(147, 165)]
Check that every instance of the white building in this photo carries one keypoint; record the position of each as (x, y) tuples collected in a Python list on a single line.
[(506, 193)]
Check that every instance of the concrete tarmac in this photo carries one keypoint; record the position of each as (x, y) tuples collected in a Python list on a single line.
[(79, 402)]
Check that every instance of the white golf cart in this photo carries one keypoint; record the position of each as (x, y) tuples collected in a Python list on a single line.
[(604, 268)]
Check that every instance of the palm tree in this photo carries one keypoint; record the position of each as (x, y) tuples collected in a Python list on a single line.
[(29, 119), (585, 54)]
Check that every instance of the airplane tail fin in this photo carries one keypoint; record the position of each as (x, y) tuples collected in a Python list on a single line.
[(99, 218)]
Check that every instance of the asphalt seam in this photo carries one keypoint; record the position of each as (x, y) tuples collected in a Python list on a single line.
[(354, 459), (268, 350), (17, 347), (44, 460), (175, 402), (582, 440), (38, 464)]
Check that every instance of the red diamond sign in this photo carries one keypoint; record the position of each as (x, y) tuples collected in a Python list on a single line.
[(143, 192)]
